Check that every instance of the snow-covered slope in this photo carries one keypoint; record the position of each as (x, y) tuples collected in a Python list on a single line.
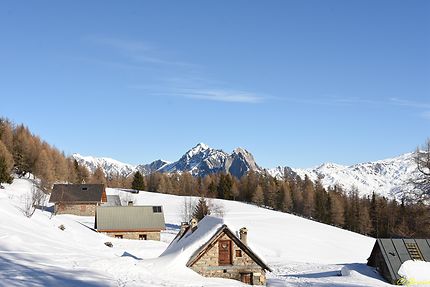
[(35, 252), (389, 177)]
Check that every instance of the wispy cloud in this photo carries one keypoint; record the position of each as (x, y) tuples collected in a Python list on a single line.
[(217, 95), (223, 96), (191, 83), (137, 51), (408, 103)]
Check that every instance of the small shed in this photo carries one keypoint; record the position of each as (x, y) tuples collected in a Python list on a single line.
[(389, 254), (130, 222), (78, 199), (213, 250)]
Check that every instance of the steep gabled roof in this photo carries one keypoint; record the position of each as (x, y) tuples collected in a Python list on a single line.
[(190, 245), (77, 193), (396, 251), (129, 218)]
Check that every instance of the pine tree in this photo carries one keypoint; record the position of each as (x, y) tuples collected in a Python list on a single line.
[(6, 164), (138, 181), (322, 203), (44, 170), (373, 213), (224, 186), (258, 196), (297, 197), (285, 202), (201, 209), (98, 176), (336, 209), (365, 224), (308, 198), (6, 134), (82, 174), (234, 189)]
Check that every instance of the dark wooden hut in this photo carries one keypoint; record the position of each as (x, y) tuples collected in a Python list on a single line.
[(389, 254)]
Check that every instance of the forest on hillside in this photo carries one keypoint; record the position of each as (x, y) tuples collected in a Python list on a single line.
[(23, 153)]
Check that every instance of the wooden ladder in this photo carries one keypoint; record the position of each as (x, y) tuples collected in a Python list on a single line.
[(414, 252)]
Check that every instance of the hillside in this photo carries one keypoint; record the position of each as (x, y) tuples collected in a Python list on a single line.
[(35, 252)]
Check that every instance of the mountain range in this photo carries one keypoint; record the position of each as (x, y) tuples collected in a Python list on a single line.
[(388, 177)]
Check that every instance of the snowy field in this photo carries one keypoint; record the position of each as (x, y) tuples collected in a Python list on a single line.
[(35, 252)]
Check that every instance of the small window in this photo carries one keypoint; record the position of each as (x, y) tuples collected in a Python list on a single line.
[(85, 188), (238, 253), (156, 209), (142, 236), (118, 236)]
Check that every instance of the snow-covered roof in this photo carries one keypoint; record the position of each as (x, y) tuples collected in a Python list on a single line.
[(187, 246)]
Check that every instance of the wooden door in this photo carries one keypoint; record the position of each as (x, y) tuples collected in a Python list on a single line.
[(224, 256), (246, 278)]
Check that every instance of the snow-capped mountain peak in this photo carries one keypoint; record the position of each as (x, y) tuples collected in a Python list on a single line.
[(198, 149), (389, 177), (110, 166)]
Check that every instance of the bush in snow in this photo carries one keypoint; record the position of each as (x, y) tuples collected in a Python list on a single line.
[(62, 227), (32, 200), (109, 244), (415, 272)]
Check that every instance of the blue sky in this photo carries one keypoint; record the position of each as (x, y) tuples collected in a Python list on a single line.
[(297, 83)]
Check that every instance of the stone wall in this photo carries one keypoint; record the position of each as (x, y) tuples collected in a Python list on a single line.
[(76, 209), (208, 265), (150, 235)]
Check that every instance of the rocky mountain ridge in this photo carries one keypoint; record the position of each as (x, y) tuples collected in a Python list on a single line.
[(388, 177)]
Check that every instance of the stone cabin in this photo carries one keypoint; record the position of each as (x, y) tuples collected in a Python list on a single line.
[(130, 222), (221, 253), (78, 199), (389, 254)]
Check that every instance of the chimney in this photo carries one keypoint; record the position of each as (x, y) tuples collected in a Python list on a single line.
[(243, 233), (130, 203), (184, 226), (193, 223)]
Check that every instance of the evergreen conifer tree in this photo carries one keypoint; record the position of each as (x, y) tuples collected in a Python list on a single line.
[(201, 209), (138, 182)]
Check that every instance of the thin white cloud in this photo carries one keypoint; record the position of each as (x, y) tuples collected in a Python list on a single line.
[(407, 103), (217, 95), (137, 51), (224, 96), (189, 85)]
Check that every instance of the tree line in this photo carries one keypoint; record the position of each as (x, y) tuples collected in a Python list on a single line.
[(372, 215), (24, 153)]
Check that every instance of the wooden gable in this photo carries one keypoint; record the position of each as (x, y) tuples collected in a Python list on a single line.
[(225, 240)]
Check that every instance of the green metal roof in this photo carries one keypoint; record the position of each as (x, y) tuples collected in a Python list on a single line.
[(129, 218)]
